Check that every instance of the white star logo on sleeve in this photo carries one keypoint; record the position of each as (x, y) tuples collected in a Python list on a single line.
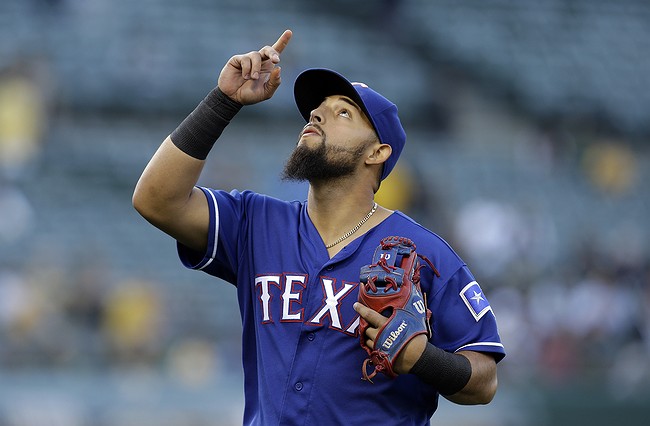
[(477, 297), (475, 301)]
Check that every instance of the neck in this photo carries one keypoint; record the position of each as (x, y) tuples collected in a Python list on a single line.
[(335, 212), (336, 204)]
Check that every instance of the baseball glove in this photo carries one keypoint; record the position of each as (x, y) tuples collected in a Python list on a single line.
[(391, 286)]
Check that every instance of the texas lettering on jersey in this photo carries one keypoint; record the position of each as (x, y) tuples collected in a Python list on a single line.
[(291, 288)]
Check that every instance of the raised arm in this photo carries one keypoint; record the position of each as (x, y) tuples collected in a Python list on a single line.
[(165, 194)]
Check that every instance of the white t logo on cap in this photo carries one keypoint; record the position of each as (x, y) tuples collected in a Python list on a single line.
[(360, 84)]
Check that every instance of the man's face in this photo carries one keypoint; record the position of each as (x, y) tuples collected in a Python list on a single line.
[(333, 143)]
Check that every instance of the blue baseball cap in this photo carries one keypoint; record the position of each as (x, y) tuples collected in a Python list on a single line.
[(312, 86)]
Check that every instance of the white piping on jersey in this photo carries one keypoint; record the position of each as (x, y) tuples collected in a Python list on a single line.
[(498, 345), (213, 255)]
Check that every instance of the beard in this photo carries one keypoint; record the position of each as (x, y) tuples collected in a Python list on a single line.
[(322, 163)]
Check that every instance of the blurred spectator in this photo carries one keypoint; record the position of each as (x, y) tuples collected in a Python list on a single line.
[(133, 323), (15, 306), (399, 190), (33, 333), (491, 235), (193, 362), (84, 308), (22, 118), (610, 167), (16, 214)]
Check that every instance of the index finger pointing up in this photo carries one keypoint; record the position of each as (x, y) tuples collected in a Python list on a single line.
[(373, 318), (282, 41)]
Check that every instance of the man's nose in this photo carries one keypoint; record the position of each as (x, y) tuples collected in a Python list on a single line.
[(316, 116)]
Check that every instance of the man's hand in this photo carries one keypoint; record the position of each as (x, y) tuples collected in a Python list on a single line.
[(410, 354), (254, 77)]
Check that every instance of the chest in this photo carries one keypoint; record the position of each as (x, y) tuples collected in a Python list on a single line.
[(314, 297)]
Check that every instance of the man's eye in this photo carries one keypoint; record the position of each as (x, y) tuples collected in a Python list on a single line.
[(344, 112)]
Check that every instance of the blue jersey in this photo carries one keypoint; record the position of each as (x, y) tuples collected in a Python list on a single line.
[(301, 353)]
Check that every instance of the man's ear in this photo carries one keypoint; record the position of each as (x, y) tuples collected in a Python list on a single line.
[(379, 154)]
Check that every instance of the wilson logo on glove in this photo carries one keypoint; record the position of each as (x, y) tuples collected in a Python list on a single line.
[(394, 335), (391, 285), (419, 306)]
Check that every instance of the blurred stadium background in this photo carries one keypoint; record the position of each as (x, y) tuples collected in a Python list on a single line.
[(528, 125)]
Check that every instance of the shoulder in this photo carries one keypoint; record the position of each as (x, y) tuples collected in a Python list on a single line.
[(425, 239), (428, 244), (250, 199)]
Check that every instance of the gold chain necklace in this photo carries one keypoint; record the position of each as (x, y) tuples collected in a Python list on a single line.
[(355, 229)]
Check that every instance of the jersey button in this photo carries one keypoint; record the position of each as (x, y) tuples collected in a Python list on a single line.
[(298, 386), (311, 336)]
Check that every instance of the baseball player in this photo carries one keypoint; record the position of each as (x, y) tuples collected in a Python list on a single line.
[(296, 266)]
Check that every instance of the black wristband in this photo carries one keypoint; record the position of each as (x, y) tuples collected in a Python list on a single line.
[(196, 135), (447, 372)]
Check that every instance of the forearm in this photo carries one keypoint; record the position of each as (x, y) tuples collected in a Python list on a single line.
[(165, 194), (166, 184), (464, 378), (482, 385), (200, 130)]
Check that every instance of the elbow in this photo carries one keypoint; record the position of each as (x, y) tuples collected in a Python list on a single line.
[(489, 391), (483, 384), (143, 201), (138, 200), (476, 394)]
